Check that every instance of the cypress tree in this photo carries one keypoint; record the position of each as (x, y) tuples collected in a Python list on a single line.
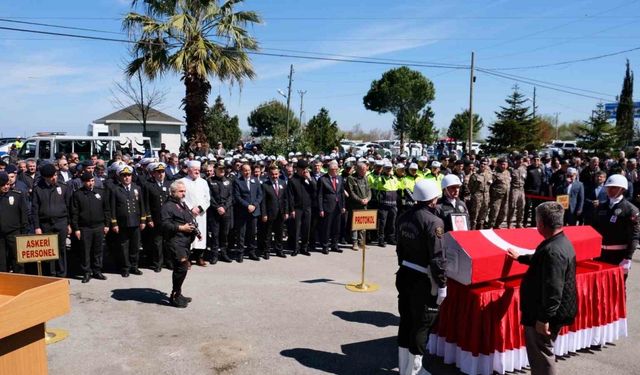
[(624, 114)]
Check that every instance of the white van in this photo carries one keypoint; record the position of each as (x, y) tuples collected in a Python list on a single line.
[(46, 146)]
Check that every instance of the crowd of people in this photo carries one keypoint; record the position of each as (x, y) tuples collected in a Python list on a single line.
[(242, 203)]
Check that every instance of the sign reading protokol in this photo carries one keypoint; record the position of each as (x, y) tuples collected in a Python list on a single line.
[(37, 248), (364, 220)]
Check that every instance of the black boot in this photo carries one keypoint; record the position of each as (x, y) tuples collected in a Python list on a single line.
[(265, 254), (86, 278), (214, 257), (177, 300), (253, 256), (240, 257), (280, 254), (224, 257)]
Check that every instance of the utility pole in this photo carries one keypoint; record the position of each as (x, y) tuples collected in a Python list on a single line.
[(471, 82), (557, 128), (289, 100), (301, 92), (534, 102)]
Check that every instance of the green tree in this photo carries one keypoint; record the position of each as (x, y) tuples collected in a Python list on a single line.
[(198, 40), (321, 134), (459, 127), (624, 113), (267, 119), (597, 135), (423, 129), (514, 128), (402, 92), (220, 127)]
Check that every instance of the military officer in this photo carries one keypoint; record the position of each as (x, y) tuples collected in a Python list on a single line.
[(421, 279), (50, 202), (156, 193), (15, 221), (617, 222), (128, 219), (479, 184), (451, 208), (90, 219), (499, 194), (516, 195)]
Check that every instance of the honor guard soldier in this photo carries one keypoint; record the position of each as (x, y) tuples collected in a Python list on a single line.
[(617, 222), (156, 193), (220, 214), (50, 202), (451, 208), (499, 194), (128, 217), (15, 221), (421, 279), (479, 184), (90, 219), (516, 195)]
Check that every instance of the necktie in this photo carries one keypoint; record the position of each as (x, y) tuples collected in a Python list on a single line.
[(275, 187), (248, 185), (333, 183)]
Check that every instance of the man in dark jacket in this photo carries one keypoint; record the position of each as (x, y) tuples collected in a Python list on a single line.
[(548, 297), (219, 214), (156, 193), (330, 190), (275, 210), (13, 205), (247, 195), (301, 188)]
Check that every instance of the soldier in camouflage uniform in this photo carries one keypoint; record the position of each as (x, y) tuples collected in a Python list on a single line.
[(479, 183), (499, 194), (516, 198)]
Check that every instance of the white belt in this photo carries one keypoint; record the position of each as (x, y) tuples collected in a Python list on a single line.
[(416, 267), (614, 247)]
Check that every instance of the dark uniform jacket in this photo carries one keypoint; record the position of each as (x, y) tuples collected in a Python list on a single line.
[(50, 203), (15, 213), (274, 204), (420, 241), (89, 209), (618, 225), (548, 290), (221, 194), (446, 209), (127, 208), (301, 191), (330, 199), (155, 195), (175, 213), (533, 182)]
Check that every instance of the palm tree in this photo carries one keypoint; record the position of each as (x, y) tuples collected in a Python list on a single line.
[(197, 39)]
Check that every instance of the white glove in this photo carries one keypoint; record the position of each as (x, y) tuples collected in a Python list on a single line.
[(442, 294), (626, 265)]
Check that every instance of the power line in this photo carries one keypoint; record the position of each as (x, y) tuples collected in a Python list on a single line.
[(60, 26), (355, 18)]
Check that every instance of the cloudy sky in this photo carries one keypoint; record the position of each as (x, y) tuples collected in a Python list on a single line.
[(54, 83)]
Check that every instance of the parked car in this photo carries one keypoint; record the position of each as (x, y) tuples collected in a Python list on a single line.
[(364, 147)]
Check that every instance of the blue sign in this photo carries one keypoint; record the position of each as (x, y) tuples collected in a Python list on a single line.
[(612, 108)]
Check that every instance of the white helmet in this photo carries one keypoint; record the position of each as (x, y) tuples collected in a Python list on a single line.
[(617, 180), (450, 180), (426, 190)]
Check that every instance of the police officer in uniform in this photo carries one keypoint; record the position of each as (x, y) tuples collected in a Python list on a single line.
[(220, 214), (451, 208), (15, 221), (128, 216), (90, 221), (421, 279), (388, 187), (51, 201), (156, 192), (617, 222)]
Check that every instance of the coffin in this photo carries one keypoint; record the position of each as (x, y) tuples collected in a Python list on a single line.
[(481, 255)]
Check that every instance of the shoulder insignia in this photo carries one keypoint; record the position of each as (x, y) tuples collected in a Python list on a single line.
[(634, 217), (439, 232)]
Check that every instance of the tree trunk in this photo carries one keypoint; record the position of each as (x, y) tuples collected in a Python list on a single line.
[(195, 105)]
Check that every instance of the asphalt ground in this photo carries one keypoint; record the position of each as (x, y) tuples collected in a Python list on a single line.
[(281, 316)]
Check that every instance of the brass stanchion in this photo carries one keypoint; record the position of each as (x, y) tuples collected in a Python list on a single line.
[(52, 335), (362, 286)]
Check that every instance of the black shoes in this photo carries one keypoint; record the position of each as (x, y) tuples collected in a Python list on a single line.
[(99, 276), (325, 251), (294, 253), (253, 256), (224, 257), (240, 258), (306, 252), (382, 244), (86, 278), (136, 271), (280, 254), (125, 273), (214, 260), (337, 250), (157, 269), (178, 300), (265, 255)]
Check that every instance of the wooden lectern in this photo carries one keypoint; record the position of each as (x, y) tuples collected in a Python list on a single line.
[(26, 303)]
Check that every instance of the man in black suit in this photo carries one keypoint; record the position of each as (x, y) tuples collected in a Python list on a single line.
[(247, 195), (275, 210), (330, 207), (301, 188), (156, 193)]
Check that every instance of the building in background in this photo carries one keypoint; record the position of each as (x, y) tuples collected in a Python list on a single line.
[(161, 128)]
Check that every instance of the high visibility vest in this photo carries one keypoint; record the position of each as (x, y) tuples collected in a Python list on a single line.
[(388, 183), (437, 179)]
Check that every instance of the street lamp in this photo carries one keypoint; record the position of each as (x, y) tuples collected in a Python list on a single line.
[(286, 96)]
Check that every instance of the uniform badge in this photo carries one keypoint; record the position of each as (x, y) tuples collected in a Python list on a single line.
[(164, 188), (617, 212), (439, 232), (461, 208), (98, 196), (634, 217), (59, 190), (613, 219), (226, 183), (11, 200), (253, 181), (135, 191)]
